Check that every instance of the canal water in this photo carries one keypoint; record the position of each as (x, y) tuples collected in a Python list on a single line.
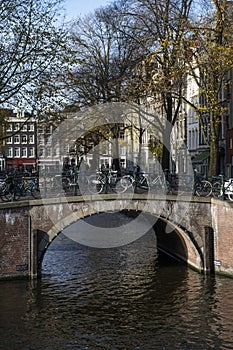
[(123, 298)]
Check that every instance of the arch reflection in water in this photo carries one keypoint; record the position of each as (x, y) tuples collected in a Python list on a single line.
[(109, 230)]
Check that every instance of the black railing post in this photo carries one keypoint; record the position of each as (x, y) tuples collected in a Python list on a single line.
[(75, 183), (223, 188)]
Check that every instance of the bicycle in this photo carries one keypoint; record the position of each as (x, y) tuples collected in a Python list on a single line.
[(180, 184), (34, 189), (100, 182), (13, 189), (202, 187), (222, 188), (144, 182)]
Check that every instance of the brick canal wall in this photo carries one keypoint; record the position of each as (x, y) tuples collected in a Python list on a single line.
[(14, 241), (222, 223)]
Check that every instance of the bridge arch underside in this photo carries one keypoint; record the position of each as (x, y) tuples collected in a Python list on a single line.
[(172, 240)]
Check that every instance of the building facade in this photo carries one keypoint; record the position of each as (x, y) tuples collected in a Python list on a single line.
[(20, 142)]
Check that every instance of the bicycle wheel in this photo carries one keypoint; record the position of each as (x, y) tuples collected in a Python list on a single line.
[(120, 186), (35, 191), (95, 185), (6, 195), (217, 190), (203, 188), (127, 181), (230, 196)]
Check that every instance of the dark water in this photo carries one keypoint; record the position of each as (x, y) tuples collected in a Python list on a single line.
[(123, 298)]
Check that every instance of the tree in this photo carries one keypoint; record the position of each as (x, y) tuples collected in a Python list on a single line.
[(31, 44), (211, 48), (104, 59), (163, 71)]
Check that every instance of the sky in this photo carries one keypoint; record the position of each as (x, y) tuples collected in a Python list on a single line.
[(75, 8)]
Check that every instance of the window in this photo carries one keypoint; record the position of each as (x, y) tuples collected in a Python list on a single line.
[(48, 129), (41, 152), (48, 152), (24, 152), (16, 126), (24, 138), (40, 140), (9, 127), (230, 143), (40, 130), (122, 150), (48, 140), (9, 140), (31, 138), (16, 139), (24, 127), (10, 153), (31, 152), (56, 152), (17, 152), (31, 127), (122, 135)]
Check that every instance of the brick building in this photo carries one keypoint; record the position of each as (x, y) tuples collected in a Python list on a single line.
[(20, 147)]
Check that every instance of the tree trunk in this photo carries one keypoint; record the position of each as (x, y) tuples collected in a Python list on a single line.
[(166, 154), (214, 158)]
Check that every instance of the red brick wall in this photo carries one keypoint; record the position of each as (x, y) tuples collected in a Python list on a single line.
[(222, 218), (14, 245)]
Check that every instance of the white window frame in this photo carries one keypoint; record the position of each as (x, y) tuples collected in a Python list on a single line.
[(10, 152), (17, 139), (31, 152), (24, 152), (17, 152), (31, 139), (122, 150), (31, 127), (9, 127), (24, 141), (9, 140)]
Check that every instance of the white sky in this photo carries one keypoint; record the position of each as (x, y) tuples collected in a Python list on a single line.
[(75, 8)]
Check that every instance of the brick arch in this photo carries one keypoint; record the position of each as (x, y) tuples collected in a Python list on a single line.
[(179, 243), (171, 238)]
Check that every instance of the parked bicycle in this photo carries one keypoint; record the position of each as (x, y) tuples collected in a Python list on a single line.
[(182, 184), (12, 189), (103, 180), (202, 186), (223, 188), (145, 182)]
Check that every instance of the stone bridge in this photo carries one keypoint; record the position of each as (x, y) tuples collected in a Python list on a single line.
[(198, 231)]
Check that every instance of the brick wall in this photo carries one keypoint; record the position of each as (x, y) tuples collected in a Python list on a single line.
[(14, 244), (222, 218)]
